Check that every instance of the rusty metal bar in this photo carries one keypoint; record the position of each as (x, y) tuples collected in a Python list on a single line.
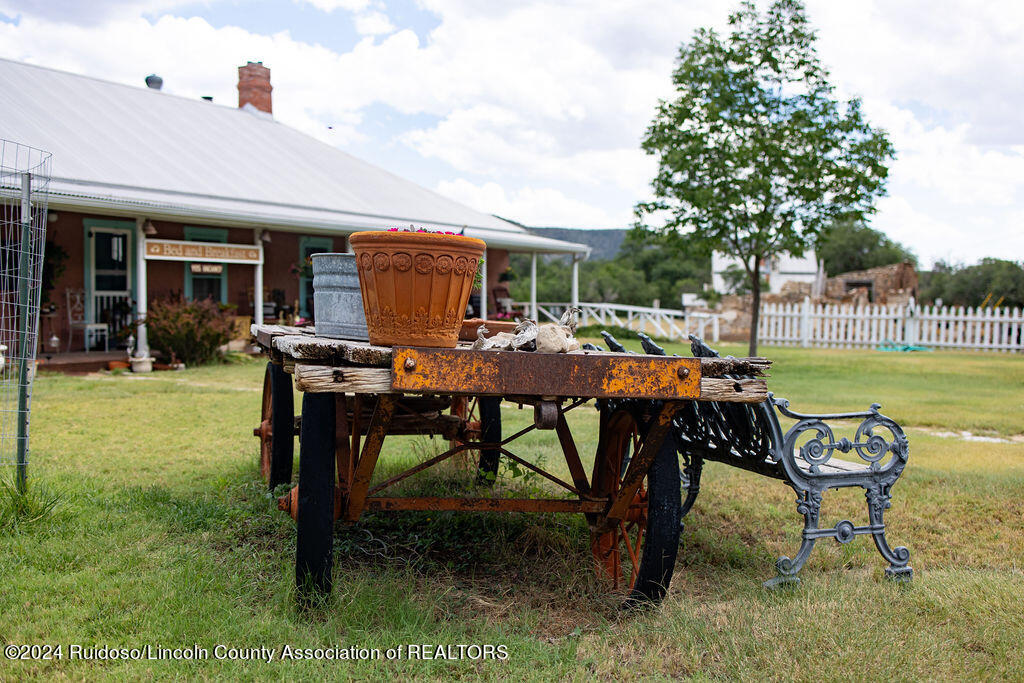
[(289, 503), (459, 448), (572, 456), (531, 427), (510, 439), (342, 445), (500, 373), (639, 465), (368, 457), (357, 430), (550, 477), (486, 504), (422, 466)]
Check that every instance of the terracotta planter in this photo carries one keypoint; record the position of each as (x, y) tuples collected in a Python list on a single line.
[(415, 285)]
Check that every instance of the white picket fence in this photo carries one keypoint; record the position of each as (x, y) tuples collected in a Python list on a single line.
[(948, 327), (667, 323)]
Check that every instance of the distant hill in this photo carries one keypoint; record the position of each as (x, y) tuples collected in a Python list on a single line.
[(604, 244)]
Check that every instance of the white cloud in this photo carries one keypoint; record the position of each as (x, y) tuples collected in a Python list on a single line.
[(530, 205), (951, 234), (951, 58), (89, 13), (549, 100), (332, 5), (373, 24)]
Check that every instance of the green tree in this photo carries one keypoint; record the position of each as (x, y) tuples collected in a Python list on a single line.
[(668, 271), (850, 245), (641, 272), (972, 285), (755, 156)]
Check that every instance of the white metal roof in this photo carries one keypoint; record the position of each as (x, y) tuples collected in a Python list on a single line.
[(136, 151)]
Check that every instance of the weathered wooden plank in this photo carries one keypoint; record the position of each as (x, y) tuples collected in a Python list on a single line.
[(265, 333), (733, 390), (498, 373), (347, 379), (326, 351), (716, 367)]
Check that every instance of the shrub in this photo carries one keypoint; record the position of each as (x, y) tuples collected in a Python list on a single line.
[(189, 331)]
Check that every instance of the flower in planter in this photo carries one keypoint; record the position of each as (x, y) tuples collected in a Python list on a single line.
[(413, 228), (478, 278)]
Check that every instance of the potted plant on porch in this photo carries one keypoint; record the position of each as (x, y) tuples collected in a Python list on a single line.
[(415, 284)]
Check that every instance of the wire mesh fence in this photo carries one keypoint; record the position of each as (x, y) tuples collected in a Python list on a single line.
[(24, 183)]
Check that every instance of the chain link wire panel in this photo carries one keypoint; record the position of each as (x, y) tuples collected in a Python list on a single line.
[(24, 183)]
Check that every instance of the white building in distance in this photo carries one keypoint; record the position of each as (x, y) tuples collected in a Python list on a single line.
[(778, 270)]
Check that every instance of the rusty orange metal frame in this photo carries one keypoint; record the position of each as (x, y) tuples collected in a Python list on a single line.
[(638, 466), (487, 504), (503, 373), (353, 493), (378, 429)]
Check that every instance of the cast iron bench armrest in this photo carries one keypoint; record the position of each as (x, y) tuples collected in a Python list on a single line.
[(872, 447)]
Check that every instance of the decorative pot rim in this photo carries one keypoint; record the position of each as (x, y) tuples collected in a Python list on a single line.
[(405, 236)]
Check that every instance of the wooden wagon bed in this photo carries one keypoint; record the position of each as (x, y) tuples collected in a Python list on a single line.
[(338, 365), (356, 394)]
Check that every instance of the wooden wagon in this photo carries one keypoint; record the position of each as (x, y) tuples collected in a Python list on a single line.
[(355, 395)]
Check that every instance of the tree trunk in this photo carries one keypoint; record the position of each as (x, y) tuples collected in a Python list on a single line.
[(755, 313)]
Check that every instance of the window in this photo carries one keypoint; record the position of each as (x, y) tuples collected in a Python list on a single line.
[(206, 280)]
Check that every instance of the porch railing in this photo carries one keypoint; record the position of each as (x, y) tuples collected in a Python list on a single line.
[(113, 309), (668, 323)]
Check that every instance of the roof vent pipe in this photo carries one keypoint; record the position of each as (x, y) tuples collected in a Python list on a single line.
[(155, 82)]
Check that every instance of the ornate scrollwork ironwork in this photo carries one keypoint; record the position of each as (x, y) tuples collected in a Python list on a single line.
[(869, 446)]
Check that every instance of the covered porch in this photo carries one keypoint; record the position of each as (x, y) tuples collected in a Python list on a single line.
[(159, 257)]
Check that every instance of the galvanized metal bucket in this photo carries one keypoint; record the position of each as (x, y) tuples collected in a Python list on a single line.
[(337, 300)]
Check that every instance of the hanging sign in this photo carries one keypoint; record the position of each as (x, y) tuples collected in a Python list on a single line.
[(209, 252), (206, 268)]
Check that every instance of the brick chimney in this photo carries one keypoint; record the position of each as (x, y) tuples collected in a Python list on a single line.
[(254, 86)]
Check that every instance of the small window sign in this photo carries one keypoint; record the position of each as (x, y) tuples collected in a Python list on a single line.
[(206, 268)]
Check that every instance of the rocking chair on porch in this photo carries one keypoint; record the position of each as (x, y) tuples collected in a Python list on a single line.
[(77, 321)]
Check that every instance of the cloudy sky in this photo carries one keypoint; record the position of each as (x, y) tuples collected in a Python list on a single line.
[(534, 110)]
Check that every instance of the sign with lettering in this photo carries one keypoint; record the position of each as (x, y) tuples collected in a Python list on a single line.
[(209, 252), (206, 268)]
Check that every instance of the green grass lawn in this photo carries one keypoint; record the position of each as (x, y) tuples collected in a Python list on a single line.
[(163, 536)]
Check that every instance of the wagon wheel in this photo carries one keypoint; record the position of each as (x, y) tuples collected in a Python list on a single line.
[(277, 427), (639, 554), (481, 416), (468, 409)]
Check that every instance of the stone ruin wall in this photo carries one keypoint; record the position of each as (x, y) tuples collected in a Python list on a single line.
[(893, 285)]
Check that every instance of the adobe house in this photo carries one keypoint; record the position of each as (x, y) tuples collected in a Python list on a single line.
[(153, 194), (895, 283)]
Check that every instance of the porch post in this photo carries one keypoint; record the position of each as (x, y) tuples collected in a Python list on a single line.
[(575, 295), (483, 287), (533, 286), (141, 294), (257, 285)]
